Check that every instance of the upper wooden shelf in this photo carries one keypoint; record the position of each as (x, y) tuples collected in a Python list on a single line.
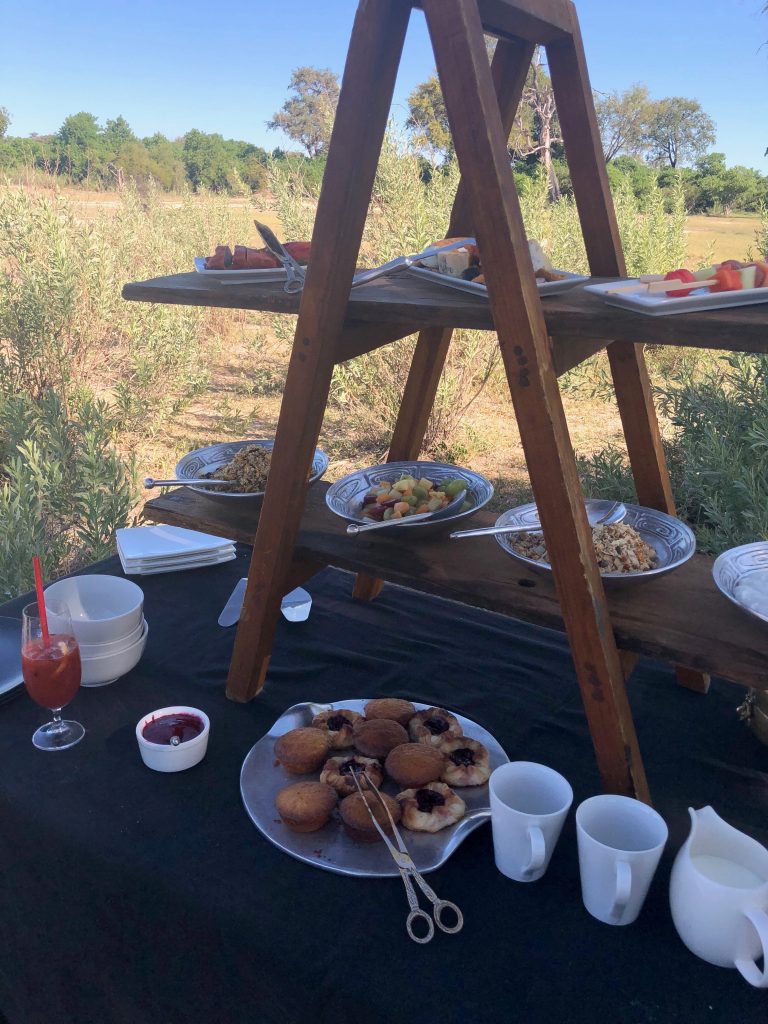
[(403, 298), (680, 617)]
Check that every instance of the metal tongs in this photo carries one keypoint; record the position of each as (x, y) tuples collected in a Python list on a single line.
[(294, 272), (407, 872)]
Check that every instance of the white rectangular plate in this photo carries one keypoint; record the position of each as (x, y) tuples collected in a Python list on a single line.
[(248, 276), (663, 305), (545, 287)]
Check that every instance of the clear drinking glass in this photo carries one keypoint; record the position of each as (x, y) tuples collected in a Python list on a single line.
[(52, 672)]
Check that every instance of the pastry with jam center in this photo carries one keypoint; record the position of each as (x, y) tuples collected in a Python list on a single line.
[(339, 772), (400, 711), (338, 724), (466, 762), (414, 764), (431, 807), (377, 737), (357, 820), (305, 806), (302, 750), (433, 726)]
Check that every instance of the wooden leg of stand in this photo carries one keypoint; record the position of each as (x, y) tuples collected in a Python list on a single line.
[(509, 69), (361, 118), (568, 66), (457, 38)]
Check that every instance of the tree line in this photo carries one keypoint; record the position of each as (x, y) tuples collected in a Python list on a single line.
[(646, 142), (83, 152)]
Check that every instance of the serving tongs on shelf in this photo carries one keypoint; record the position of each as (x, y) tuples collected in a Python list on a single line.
[(403, 262), (294, 272), (408, 871)]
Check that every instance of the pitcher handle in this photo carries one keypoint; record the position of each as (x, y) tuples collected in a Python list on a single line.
[(623, 890), (747, 967)]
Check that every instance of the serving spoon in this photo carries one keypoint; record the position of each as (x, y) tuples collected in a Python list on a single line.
[(615, 514), (150, 482), (442, 513)]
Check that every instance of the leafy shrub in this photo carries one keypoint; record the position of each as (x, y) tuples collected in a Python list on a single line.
[(716, 457), (65, 488)]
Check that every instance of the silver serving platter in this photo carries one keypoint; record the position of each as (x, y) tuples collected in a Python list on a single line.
[(208, 460), (545, 287), (673, 541), (330, 848), (737, 572), (345, 497)]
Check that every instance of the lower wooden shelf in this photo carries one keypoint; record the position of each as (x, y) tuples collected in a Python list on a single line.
[(681, 618)]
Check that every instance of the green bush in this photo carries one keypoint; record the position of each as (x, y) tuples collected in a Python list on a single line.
[(65, 488), (716, 456)]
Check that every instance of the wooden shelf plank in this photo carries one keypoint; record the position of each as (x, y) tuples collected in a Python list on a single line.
[(573, 318), (680, 617)]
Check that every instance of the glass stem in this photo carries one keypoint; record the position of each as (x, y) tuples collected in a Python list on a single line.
[(58, 725)]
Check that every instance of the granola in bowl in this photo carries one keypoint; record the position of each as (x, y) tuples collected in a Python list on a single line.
[(618, 546)]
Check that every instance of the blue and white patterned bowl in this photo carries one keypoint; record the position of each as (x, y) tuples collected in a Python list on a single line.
[(208, 460), (345, 497), (673, 541)]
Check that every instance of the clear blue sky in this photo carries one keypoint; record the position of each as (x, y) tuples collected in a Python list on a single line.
[(222, 67)]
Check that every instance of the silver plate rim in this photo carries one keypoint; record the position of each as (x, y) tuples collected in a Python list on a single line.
[(734, 565), (523, 515), (187, 468), (481, 487), (429, 851)]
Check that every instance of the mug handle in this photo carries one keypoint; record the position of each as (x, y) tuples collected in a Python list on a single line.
[(538, 850), (623, 889), (747, 967)]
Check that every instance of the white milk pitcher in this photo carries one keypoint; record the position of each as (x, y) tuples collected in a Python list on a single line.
[(718, 893)]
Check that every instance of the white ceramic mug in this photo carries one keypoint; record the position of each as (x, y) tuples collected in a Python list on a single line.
[(529, 803), (620, 844)]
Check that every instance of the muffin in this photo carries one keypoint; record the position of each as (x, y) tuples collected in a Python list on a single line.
[(431, 807), (305, 806), (338, 772), (302, 750), (401, 711), (338, 724), (432, 726), (377, 737), (466, 762), (357, 820), (414, 764)]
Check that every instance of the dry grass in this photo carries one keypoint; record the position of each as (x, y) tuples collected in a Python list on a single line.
[(247, 368), (720, 238)]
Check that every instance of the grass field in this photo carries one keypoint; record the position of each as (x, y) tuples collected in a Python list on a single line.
[(720, 238)]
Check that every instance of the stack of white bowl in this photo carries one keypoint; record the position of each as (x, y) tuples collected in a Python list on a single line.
[(107, 614)]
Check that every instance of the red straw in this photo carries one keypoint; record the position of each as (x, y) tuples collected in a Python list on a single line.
[(40, 598)]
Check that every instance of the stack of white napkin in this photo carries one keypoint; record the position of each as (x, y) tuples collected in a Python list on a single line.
[(144, 550)]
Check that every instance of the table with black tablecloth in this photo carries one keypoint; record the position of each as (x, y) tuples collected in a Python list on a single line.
[(133, 897)]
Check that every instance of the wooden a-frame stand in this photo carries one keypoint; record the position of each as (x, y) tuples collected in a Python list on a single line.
[(481, 101)]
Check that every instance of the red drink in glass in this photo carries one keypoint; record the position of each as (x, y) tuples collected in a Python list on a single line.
[(51, 670), (50, 664)]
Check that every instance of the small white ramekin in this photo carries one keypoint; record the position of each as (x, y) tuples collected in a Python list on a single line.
[(163, 757)]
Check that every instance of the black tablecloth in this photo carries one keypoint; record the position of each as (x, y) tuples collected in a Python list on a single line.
[(140, 898)]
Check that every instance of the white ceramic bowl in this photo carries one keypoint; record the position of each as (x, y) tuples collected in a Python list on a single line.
[(103, 650), (104, 670), (103, 608), (162, 757)]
